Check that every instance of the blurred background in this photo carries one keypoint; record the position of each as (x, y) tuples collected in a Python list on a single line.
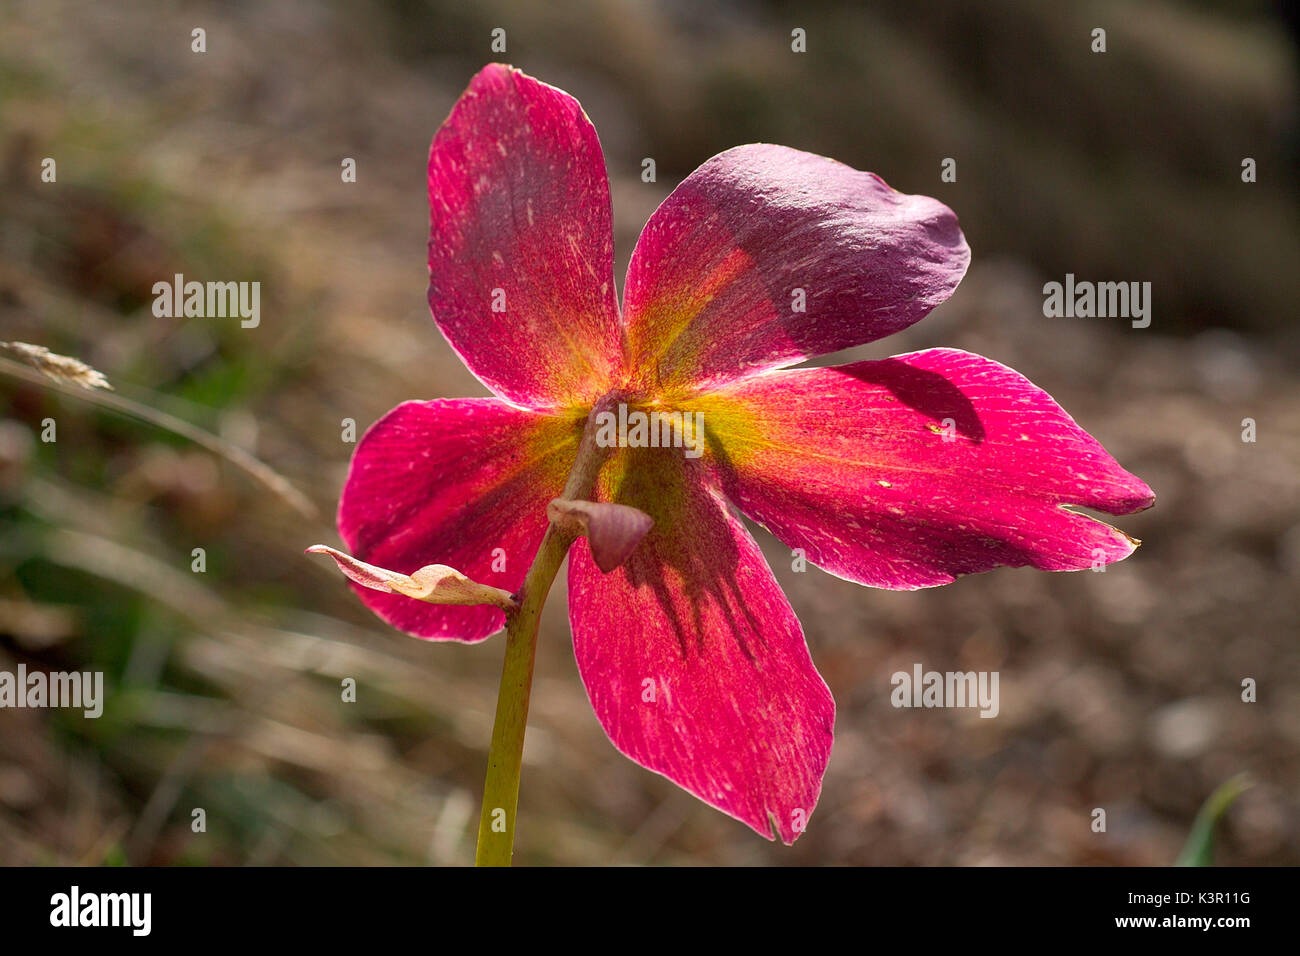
[(1119, 690)]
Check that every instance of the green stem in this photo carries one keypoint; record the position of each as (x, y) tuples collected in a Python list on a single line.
[(496, 825)]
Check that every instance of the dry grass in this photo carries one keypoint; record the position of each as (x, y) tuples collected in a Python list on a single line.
[(58, 368)]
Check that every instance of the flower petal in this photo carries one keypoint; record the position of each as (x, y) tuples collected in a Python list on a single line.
[(908, 472), (693, 660), (521, 242), (715, 282), (461, 482), (435, 583), (613, 531)]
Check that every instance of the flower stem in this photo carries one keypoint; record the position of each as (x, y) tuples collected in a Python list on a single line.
[(496, 825)]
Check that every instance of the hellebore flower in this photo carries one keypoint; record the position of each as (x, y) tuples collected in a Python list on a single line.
[(900, 473)]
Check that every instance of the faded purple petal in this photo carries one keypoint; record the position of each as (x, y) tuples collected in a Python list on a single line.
[(723, 269), (612, 531)]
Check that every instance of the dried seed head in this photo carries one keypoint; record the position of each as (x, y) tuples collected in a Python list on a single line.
[(61, 368)]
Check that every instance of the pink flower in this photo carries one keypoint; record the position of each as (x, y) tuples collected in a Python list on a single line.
[(900, 473)]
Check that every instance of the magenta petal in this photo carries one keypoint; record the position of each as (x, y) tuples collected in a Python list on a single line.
[(907, 472), (458, 482), (521, 243), (767, 255), (697, 667)]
